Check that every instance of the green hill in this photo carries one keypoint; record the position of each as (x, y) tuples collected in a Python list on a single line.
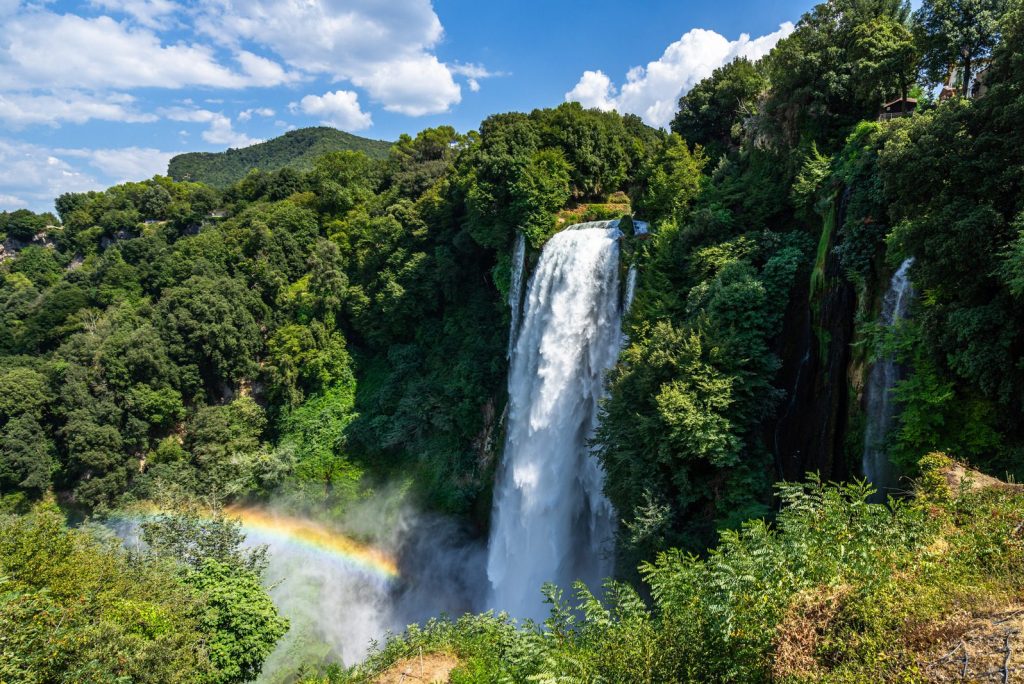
[(296, 149)]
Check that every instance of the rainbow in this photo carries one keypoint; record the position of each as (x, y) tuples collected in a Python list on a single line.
[(316, 536), (293, 530)]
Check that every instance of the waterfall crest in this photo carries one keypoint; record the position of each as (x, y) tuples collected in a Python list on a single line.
[(551, 521), (879, 408)]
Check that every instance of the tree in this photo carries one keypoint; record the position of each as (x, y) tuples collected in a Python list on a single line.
[(212, 322), (28, 458), (885, 58), (710, 113), (240, 621), (957, 32), (343, 180), (225, 443), (672, 180), (239, 618), (75, 609), (815, 93)]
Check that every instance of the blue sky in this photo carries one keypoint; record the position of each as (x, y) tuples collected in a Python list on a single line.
[(97, 92)]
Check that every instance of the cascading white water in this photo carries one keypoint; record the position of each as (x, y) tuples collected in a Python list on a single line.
[(551, 521), (515, 290), (627, 298), (879, 408)]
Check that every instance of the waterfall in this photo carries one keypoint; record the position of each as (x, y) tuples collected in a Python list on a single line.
[(627, 299), (551, 521), (515, 290), (879, 408)]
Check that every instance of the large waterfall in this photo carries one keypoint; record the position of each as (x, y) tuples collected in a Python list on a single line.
[(551, 521), (879, 407)]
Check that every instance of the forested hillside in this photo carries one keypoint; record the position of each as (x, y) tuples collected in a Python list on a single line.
[(331, 324), (294, 150)]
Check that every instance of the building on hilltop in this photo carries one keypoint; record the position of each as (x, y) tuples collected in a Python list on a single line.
[(901, 106)]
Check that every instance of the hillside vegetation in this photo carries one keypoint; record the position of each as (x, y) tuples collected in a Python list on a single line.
[(317, 336), (837, 590), (294, 150)]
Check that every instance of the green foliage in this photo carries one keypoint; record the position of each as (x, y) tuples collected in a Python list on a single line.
[(294, 150), (838, 590), (672, 180), (23, 225), (713, 113), (211, 323), (679, 431), (827, 75), (225, 443), (885, 58), (193, 537), (74, 609), (959, 33), (239, 616), (950, 177)]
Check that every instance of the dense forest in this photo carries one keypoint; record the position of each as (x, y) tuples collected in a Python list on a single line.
[(295, 150), (318, 329)]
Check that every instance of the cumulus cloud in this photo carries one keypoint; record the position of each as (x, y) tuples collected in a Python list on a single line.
[(339, 109), (220, 130), (594, 89), (35, 175), (157, 14), (414, 86), (384, 48), (652, 92), (120, 165), (68, 51), (247, 114), (20, 109)]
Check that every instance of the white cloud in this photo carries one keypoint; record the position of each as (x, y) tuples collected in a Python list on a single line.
[(124, 164), (68, 51), (11, 202), (247, 114), (474, 73), (382, 47), (156, 14), (332, 36), (339, 109), (33, 175), (594, 89), (19, 109), (220, 131), (414, 87), (653, 91), (387, 49), (36, 176)]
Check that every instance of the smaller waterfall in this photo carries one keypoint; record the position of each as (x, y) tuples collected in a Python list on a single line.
[(879, 408), (515, 290), (627, 299)]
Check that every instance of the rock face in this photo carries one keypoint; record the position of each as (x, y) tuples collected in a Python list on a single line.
[(810, 431), (960, 477), (10, 247)]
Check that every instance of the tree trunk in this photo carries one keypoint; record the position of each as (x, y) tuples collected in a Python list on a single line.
[(965, 85)]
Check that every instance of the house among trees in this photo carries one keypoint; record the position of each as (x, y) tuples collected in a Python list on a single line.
[(954, 81), (901, 106)]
